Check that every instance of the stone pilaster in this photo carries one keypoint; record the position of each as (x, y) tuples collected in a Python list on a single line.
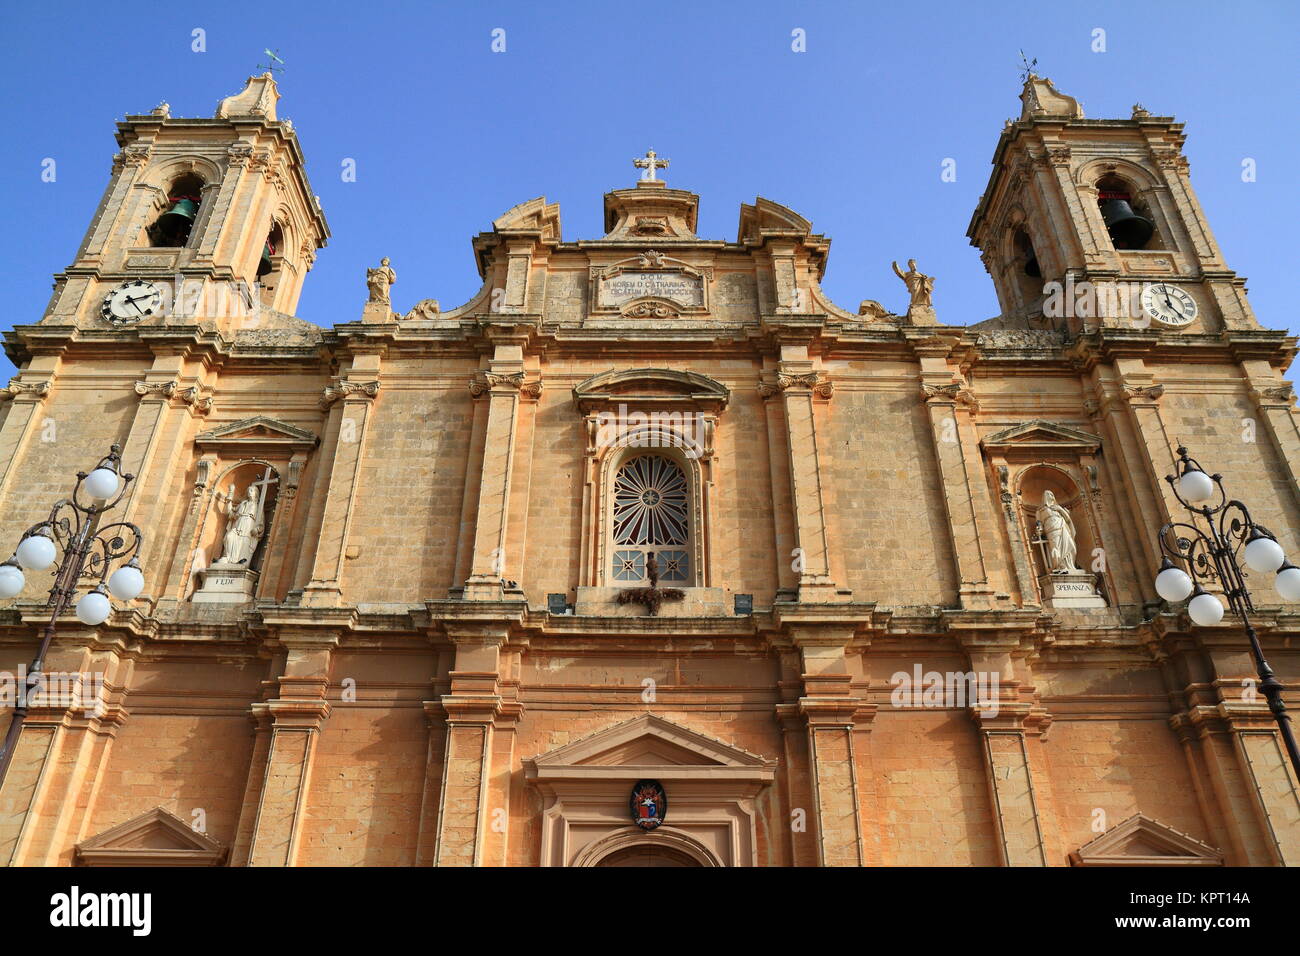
[(26, 392), (471, 711), (295, 717), (500, 386), (65, 741), (827, 709), (1009, 723), (804, 391), (942, 396), (351, 403)]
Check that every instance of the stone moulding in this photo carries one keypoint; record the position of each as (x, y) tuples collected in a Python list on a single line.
[(154, 838), (1141, 841)]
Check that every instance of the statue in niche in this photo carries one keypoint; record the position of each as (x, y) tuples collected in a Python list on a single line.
[(919, 285), (1058, 529), (378, 281), (245, 521)]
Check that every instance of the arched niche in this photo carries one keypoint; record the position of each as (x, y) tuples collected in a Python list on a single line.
[(232, 479), (1032, 485), (664, 846)]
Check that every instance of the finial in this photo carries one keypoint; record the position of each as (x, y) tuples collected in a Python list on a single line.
[(650, 164)]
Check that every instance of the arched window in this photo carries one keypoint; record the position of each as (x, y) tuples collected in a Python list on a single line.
[(172, 228), (1128, 220), (651, 515)]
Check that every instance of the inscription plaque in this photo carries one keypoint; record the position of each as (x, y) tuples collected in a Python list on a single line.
[(686, 290)]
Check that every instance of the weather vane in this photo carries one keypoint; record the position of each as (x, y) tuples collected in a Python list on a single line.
[(1027, 67), (269, 66)]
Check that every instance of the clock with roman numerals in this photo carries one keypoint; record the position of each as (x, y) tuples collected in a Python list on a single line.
[(1168, 304)]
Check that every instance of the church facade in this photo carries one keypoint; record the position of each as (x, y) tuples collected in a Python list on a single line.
[(649, 554)]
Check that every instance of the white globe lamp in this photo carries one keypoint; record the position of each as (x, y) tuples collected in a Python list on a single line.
[(1173, 583), (102, 483), (1205, 609), (36, 552), (1263, 554), (127, 581), (94, 608), (1195, 485), (11, 579)]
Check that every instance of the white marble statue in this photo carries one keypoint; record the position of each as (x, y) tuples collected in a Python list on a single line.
[(245, 522), (1058, 529)]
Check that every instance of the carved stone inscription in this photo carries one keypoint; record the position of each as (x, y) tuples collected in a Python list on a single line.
[(686, 290)]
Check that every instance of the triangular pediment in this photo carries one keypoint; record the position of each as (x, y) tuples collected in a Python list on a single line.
[(258, 431), (649, 745), (1042, 434), (1141, 841), (154, 838)]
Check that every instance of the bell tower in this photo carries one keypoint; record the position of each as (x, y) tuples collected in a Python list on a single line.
[(203, 219), (1091, 222)]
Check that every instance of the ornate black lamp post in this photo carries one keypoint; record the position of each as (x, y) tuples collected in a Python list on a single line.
[(1212, 555), (88, 552)]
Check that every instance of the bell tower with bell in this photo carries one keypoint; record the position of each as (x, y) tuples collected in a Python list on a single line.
[(1094, 222), (202, 220)]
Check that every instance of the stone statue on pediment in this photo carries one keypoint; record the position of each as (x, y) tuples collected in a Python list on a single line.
[(378, 280), (919, 285)]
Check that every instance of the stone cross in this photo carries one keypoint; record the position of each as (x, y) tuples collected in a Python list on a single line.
[(650, 163), (262, 487), (1041, 541), (654, 595)]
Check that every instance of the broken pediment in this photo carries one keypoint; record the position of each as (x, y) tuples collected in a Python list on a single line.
[(1039, 435), (155, 838), (650, 746), (257, 432), (648, 388), (1141, 841)]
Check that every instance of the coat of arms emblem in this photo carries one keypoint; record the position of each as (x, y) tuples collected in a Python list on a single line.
[(649, 804)]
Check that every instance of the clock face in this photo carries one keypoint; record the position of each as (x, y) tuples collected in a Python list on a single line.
[(1168, 304), (130, 302)]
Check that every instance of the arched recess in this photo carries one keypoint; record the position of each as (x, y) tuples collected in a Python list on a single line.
[(234, 477), (660, 412), (188, 175), (1109, 174), (605, 851)]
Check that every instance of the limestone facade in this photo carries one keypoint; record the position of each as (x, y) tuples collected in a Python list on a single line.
[(427, 662)]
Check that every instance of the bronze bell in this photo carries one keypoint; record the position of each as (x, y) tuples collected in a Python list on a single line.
[(1127, 229), (265, 265), (176, 222)]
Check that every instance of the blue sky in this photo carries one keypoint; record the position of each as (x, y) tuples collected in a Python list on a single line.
[(447, 135)]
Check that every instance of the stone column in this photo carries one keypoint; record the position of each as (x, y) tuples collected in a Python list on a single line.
[(296, 718), (1276, 404), (352, 399)]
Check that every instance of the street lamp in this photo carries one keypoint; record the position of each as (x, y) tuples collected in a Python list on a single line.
[(1212, 555), (88, 552)]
